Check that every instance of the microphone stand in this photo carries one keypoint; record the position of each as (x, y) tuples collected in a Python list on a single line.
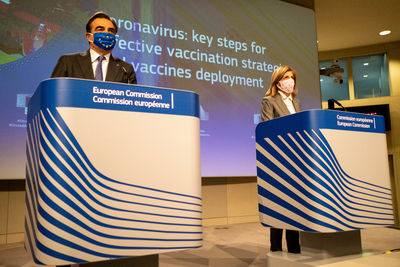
[(332, 102)]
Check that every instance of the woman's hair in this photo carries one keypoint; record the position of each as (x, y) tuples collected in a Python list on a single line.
[(276, 76)]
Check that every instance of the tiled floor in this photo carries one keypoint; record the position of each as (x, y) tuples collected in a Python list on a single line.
[(227, 245)]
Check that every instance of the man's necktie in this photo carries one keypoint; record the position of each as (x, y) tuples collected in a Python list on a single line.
[(99, 70)]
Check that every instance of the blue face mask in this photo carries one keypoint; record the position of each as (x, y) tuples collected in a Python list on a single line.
[(104, 40)]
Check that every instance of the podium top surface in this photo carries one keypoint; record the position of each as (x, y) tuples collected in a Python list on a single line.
[(80, 93), (323, 119)]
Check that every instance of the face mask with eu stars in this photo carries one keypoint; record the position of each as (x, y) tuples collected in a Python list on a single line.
[(104, 40)]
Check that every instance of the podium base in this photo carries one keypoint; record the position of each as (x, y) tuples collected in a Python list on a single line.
[(284, 259), (328, 245), (318, 249), (148, 261)]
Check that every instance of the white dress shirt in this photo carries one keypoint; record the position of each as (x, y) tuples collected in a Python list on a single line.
[(93, 57), (288, 100)]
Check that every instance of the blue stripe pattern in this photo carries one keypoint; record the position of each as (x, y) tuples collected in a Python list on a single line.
[(76, 214), (302, 186)]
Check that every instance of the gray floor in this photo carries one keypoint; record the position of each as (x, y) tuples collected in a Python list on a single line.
[(227, 245)]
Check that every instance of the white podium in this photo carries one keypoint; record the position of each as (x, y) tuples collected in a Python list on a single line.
[(113, 171), (324, 173)]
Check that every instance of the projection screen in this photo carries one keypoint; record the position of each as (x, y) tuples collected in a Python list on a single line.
[(225, 51)]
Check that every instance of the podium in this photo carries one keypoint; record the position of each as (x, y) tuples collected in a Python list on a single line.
[(323, 171), (113, 171)]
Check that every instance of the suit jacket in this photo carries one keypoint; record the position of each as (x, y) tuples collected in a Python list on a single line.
[(273, 107), (79, 65)]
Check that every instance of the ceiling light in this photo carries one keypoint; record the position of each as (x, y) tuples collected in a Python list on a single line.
[(365, 75), (385, 32), (366, 64)]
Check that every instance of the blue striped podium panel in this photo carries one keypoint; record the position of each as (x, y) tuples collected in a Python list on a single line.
[(323, 171), (113, 170)]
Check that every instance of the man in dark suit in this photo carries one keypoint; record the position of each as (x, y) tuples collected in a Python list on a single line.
[(97, 63)]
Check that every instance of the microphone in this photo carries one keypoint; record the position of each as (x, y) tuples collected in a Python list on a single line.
[(332, 102)]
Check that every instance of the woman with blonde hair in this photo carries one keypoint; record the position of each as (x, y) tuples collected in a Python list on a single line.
[(280, 100)]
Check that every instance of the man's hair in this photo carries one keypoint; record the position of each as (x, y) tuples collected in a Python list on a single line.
[(97, 15)]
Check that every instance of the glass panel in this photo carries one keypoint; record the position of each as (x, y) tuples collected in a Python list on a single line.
[(370, 74), (332, 86)]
